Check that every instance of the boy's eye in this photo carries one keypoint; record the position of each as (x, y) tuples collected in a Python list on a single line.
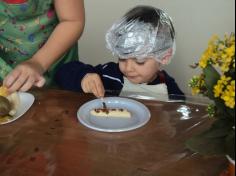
[(122, 60), (140, 63)]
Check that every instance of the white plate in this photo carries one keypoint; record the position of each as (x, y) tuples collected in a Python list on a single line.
[(140, 115), (26, 101)]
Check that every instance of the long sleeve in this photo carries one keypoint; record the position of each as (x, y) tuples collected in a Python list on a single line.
[(112, 77), (70, 75)]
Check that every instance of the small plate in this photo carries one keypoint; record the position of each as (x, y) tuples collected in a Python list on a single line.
[(140, 115), (26, 101)]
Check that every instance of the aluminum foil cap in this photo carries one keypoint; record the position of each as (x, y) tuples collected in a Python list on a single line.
[(139, 39)]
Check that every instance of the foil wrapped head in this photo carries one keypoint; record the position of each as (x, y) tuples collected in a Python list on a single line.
[(144, 32)]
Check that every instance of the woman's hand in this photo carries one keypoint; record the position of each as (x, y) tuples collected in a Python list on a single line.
[(92, 83), (25, 76)]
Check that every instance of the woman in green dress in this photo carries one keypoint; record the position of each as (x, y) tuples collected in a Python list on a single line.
[(36, 36)]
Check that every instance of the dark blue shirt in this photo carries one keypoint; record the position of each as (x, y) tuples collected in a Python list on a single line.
[(70, 75)]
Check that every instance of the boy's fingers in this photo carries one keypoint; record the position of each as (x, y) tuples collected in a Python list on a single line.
[(93, 88), (85, 87), (97, 91), (85, 83), (100, 89), (93, 84)]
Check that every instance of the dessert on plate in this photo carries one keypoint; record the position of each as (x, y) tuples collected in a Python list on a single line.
[(111, 112), (9, 103)]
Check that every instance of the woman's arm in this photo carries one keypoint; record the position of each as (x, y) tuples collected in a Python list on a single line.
[(71, 15)]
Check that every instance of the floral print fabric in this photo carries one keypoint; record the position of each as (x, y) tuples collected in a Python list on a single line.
[(25, 26)]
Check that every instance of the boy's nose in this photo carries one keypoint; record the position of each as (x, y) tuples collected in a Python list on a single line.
[(129, 65)]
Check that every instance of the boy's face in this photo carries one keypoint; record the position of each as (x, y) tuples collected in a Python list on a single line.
[(138, 73)]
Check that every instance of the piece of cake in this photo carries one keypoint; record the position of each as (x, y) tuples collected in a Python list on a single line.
[(116, 112)]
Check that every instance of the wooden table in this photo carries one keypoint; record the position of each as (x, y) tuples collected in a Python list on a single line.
[(49, 141)]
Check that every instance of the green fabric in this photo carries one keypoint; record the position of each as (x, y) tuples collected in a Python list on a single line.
[(4, 69), (24, 28)]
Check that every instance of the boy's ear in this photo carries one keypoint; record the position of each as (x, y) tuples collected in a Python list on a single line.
[(167, 57)]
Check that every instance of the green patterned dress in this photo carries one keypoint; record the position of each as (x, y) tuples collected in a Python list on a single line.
[(25, 26)]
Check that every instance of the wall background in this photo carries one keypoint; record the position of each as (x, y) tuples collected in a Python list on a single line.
[(195, 22)]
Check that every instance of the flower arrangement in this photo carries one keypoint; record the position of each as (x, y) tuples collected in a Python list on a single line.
[(217, 82)]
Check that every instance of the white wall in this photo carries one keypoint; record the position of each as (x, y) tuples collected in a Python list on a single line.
[(195, 22)]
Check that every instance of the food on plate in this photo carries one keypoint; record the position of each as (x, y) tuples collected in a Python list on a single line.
[(3, 91), (9, 102), (5, 106), (115, 112)]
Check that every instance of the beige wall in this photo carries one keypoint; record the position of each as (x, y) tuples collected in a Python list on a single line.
[(195, 22)]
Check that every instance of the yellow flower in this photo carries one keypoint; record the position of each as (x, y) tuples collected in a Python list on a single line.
[(225, 68), (225, 79), (195, 91), (229, 95), (221, 86), (229, 100), (204, 61), (218, 90), (230, 51)]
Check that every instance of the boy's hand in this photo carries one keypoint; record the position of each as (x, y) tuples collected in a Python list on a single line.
[(92, 83), (24, 76)]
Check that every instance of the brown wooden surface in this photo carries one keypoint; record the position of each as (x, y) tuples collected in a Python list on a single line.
[(49, 141)]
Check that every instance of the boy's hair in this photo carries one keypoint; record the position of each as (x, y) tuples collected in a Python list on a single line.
[(143, 32)]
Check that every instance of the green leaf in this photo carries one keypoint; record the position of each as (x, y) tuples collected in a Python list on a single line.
[(226, 114), (231, 113), (211, 79), (220, 128), (213, 141)]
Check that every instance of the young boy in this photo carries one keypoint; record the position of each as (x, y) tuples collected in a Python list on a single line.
[(144, 40)]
